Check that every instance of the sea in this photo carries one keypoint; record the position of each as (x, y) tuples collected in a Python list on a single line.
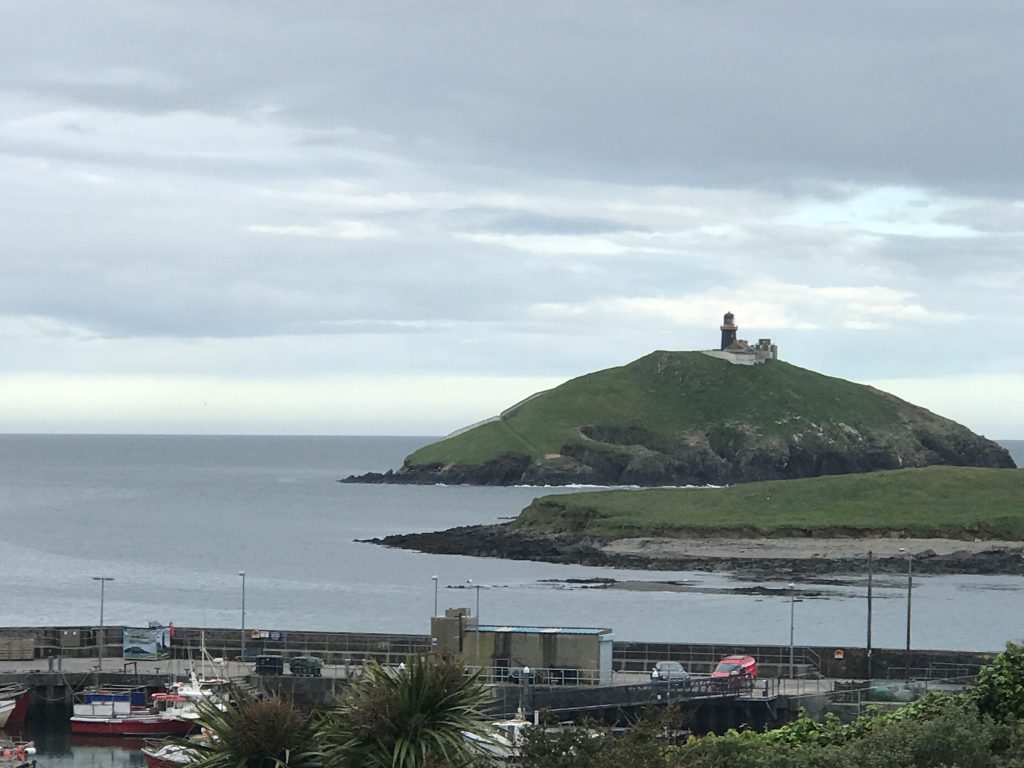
[(174, 519)]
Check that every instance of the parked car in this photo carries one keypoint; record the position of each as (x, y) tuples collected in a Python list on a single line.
[(740, 670), (669, 670)]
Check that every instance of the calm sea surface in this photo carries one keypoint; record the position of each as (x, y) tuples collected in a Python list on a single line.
[(173, 519)]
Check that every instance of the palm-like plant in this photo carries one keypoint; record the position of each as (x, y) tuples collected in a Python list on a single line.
[(251, 733), (412, 718)]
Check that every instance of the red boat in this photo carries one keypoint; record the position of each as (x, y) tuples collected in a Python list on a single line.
[(123, 712), (21, 697)]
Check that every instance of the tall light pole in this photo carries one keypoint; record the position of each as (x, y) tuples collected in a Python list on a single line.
[(871, 558), (792, 616), (100, 636), (434, 577), (477, 650), (910, 590), (242, 574)]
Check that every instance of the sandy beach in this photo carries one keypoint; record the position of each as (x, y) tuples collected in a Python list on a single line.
[(800, 549)]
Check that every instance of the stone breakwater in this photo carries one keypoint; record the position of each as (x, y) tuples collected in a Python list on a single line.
[(753, 558)]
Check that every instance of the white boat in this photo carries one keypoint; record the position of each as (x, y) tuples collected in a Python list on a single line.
[(196, 689), (6, 708), (21, 696), (503, 740), (165, 755)]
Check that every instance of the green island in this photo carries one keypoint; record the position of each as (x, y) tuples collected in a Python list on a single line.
[(930, 502), (681, 418)]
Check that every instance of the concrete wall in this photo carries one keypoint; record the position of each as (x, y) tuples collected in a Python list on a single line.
[(540, 649), (735, 359)]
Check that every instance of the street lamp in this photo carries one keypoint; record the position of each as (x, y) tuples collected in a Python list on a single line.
[(477, 651), (434, 577), (792, 611), (524, 702), (242, 574), (100, 638), (871, 558), (910, 590)]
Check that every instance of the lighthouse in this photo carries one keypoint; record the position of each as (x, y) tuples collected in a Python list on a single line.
[(729, 329)]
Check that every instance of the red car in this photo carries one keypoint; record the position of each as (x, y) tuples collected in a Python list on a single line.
[(732, 667)]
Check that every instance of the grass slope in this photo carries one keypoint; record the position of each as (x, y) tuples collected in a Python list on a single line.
[(947, 502), (671, 394)]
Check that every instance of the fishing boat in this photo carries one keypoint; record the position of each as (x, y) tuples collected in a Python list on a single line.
[(21, 696), (116, 711), (17, 754)]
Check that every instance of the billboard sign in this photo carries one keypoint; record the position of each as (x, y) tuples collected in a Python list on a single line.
[(142, 643)]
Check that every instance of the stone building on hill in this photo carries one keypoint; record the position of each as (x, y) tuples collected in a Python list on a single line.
[(739, 351)]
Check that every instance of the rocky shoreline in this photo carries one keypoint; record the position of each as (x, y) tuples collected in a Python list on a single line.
[(747, 558)]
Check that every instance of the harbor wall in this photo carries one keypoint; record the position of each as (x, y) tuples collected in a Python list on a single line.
[(351, 649)]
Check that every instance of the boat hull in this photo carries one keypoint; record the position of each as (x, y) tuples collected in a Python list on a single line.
[(164, 757), (21, 698), (6, 709), (130, 726)]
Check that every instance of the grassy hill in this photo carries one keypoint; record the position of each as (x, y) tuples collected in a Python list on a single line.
[(668, 394), (672, 418), (948, 502)]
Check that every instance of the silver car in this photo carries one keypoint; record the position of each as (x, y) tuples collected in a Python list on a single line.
[(669, 670)]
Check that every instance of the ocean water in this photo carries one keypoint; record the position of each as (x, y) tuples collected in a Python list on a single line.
[(173, 520)]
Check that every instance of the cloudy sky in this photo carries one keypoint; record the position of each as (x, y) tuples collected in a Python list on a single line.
[(399, 217)]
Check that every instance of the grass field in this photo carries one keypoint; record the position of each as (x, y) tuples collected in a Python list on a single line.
[(945, 502)]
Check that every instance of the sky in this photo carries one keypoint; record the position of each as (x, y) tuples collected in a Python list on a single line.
[(401, 217)]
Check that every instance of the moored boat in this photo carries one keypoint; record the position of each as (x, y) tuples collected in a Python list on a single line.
[(21, 696), (501, 742), (124, 712), (160, 754), (6, 708)]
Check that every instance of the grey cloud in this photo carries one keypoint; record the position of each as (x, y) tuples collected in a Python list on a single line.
[(527, 223), (710, 93), (997, 217)]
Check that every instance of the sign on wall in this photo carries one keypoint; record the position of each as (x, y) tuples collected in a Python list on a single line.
[(146, 643)]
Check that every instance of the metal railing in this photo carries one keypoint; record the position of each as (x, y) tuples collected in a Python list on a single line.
[(774, 660)]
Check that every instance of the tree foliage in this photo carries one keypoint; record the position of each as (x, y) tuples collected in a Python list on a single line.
[(999, 690), (405, 719), (252, 733)]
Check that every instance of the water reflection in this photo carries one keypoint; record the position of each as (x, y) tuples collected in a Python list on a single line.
[(50, 729)]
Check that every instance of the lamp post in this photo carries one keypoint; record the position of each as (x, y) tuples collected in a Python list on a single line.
[(524, 703), (870, 580), (792, 616), (910, 590), (242, 574), (434, 577), (100, 637), (477, 649)]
